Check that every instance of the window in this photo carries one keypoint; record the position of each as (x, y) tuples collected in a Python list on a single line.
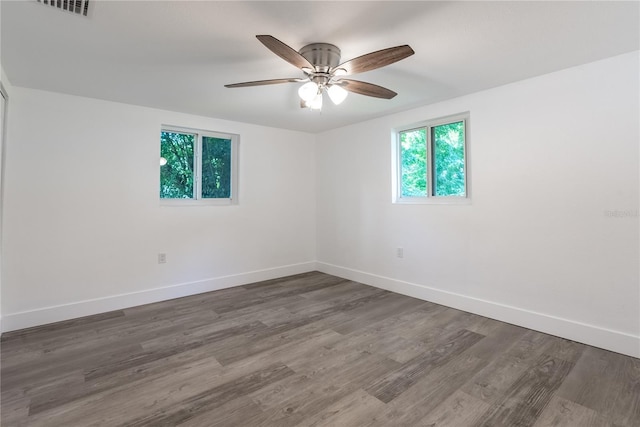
[(197, 166), (431, 162)]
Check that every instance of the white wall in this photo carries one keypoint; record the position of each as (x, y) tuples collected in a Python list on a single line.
[(83, 225), (549, 158)]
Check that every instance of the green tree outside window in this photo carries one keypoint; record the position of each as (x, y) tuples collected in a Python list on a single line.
[(176, 175), (434, 166)]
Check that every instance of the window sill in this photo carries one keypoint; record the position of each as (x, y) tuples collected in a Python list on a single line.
[(433, 201), (194, 202)]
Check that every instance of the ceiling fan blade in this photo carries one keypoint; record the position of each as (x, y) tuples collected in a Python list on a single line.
[(374, 60), (368, 89), (266, 82), (285, 52)]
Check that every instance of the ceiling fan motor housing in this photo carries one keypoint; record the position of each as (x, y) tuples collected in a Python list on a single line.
[(323, 56)]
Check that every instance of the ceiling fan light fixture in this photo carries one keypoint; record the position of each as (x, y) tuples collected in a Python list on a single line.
[(316, 103), (308, 91), (337, 94)]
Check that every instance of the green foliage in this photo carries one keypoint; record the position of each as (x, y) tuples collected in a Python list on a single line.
[(413, 145), (216, 168), (176, 176), (447, 161), (449, 165)]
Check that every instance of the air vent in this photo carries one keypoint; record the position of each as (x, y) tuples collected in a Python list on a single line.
[(81, 7)]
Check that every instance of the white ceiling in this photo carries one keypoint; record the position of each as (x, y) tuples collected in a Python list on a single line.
[(177, 55)]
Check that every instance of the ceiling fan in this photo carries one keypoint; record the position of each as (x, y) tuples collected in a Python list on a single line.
[(320, 62)]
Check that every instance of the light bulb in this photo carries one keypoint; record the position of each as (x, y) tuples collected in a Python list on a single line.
[(308, 91), (337, 94), (316, 103), (163, 161)]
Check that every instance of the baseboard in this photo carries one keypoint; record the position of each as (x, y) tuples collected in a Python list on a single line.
[(596, 336), (43, 316)]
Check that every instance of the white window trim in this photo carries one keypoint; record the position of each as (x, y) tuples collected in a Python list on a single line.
[(235, 149), (396, 193)]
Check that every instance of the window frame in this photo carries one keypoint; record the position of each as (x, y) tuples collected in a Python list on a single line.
[(396, 175), (197, 199)]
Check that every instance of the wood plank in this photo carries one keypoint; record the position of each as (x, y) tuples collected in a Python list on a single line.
[(15, 407), (233, 413), (442, 382), (215, 329), (565, 413), (169, 366), (132, 360), (344, 289), (528, 396), (498, 342), (54, 367), (492, 382), (382, 338), (430, 323), (378, 311), (213, 398), (391, 386), (460, 409), (293, 400), (343, 363), (606, 382), (304, 348), (348, 411), (427, 394), (272, 337), (332, 298), (274, 293), (288, 403), (296, 280), (134, 399), (62, 326), (106, 341)]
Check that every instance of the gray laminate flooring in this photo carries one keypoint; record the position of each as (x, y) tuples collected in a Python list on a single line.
[(308, 350)]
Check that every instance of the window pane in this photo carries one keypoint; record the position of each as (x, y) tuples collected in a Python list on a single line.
[(448, 154), (216, 168), (413, 163), (176, 175)]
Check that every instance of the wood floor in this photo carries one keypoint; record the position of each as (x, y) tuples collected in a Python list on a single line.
[(308, 350)]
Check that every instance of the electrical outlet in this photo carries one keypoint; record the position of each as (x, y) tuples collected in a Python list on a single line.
[(162, 258), (400, 252)]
